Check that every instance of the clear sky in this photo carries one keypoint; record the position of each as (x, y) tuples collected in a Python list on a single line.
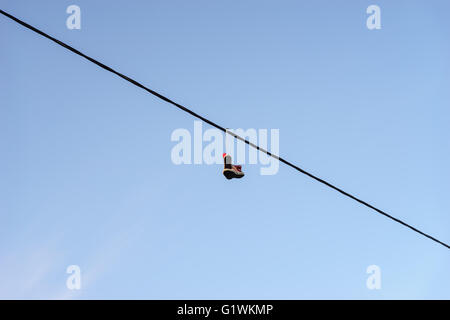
[(87, 177)]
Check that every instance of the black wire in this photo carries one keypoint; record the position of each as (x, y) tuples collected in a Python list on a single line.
[(160, 96)]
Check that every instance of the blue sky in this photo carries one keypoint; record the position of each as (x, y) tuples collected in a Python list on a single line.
[(88, 180)]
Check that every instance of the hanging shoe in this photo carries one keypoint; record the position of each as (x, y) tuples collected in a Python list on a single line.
[(231, 171)]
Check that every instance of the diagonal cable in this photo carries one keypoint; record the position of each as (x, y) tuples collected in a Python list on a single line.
[(160, 96)]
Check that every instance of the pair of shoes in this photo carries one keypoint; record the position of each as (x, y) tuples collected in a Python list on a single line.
[(231, 171)]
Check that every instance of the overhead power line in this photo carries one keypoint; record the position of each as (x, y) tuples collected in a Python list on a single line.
[(160, 96)]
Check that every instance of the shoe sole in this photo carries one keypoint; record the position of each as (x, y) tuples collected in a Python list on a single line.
[(230, 174)]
